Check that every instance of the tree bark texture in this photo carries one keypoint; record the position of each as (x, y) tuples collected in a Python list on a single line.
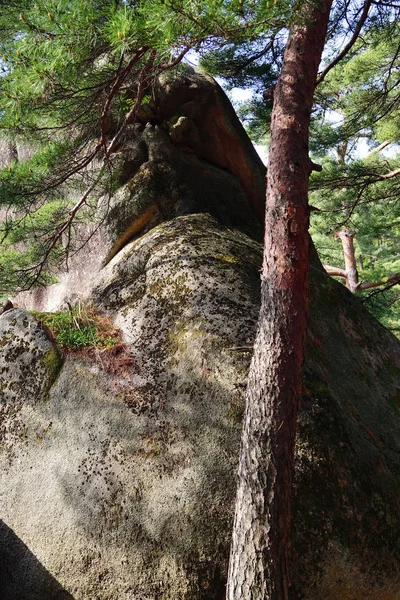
[(347, 239), (258, 563)]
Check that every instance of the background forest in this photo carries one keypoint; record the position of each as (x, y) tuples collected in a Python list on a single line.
[(74, 77), (355, 137)]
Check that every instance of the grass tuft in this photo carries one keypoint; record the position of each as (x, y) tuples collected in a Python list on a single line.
[(80, 328)]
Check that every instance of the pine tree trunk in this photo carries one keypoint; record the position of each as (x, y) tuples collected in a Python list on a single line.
[(347, 239), (258, 563)]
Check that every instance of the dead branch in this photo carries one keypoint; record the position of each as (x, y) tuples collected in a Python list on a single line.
[(347, 239), (379, 148), (389, 175)]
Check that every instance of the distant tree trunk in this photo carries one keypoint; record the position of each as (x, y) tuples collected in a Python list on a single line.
[(350, 273), (258, 563), (347, 239)]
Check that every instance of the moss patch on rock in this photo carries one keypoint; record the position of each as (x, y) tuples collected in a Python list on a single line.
[(80, 328)]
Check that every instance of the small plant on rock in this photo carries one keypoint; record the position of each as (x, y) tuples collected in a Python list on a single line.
[(81, 328)]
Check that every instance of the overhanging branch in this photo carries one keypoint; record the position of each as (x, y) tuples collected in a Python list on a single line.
[(142, 82), (348, 46)]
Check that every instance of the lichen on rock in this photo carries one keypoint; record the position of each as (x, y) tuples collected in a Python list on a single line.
[(29, 360), (125, 481), (29, 365)]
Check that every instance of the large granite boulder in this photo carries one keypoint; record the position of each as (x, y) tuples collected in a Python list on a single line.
[(117, 473), (129, 493), (188, 153)]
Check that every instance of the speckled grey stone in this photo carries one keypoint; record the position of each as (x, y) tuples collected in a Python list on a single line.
[(29, 361), (122, 484)]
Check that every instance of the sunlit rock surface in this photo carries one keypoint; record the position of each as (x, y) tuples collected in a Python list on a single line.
[(188, 153), (119, 482)]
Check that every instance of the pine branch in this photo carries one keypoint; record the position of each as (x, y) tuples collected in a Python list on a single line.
[(348, 46), (335, 271), (393, 279), (115, 89), (142, 82)]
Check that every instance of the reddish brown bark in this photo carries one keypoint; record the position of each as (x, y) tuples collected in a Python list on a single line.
[(258, 565)]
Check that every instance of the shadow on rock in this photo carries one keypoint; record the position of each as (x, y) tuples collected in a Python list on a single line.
[(22, 576)]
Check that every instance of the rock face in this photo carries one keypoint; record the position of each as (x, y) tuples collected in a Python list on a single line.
[(171, 180), (346, 531), (136, 474), (29, 365), (188, 154), (29, 361), (122, 485), (199, 117)]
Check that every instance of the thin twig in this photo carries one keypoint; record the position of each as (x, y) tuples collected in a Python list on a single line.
[(392, 279), (348, 46), (114, 90), (381, 291)]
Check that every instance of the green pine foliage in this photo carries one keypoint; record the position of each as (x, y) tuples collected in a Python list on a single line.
[(247, 65), (353, 196), (22, 246), (362, 194), (72, 74)]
